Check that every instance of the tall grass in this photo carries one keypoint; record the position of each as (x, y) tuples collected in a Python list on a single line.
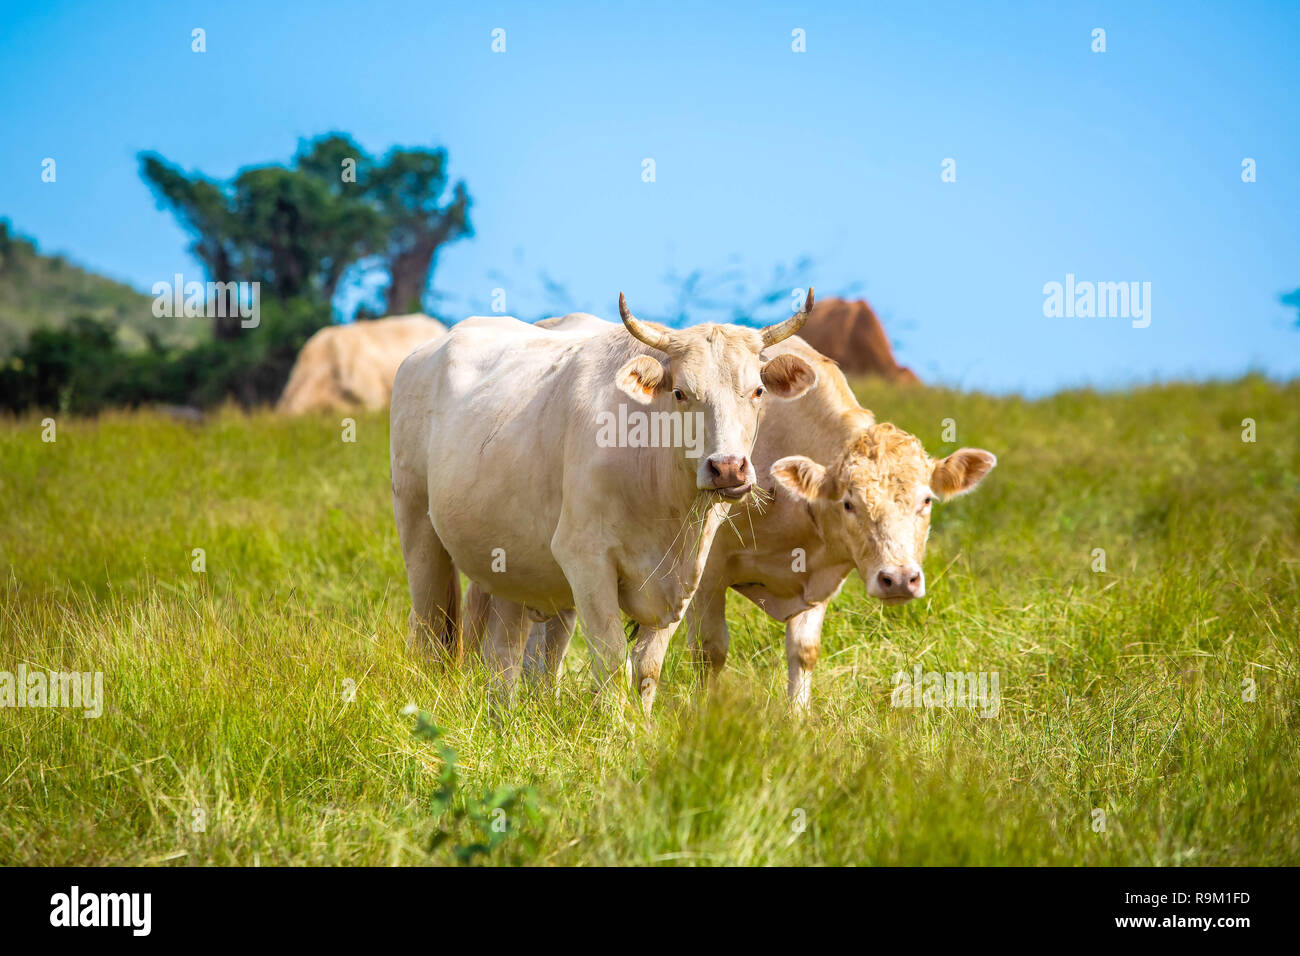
[(227, 691)]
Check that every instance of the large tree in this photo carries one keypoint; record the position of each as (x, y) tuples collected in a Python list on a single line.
[(203, 208), (409, 188), (298, 229)]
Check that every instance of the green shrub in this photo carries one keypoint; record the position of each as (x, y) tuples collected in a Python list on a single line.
[(83, 369)]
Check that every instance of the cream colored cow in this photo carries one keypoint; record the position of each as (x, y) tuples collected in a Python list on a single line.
[(351, 367), (504, 469), (844, 492)]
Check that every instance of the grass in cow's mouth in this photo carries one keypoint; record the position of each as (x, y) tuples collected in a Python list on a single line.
[(733, 494), (253, 712)]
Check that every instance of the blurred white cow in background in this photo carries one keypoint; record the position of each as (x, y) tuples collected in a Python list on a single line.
[(351, 367)]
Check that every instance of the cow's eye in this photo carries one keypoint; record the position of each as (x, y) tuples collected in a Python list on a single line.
[(679, 395), (758, 392), (848, 505), (927, 500)]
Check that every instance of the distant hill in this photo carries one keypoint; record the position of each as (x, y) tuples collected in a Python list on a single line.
[(40, 290)]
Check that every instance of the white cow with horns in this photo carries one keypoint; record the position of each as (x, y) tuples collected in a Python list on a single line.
[(502, 469)]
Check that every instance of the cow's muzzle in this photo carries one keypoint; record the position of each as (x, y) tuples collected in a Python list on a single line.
[(731, 476), (896, 584)]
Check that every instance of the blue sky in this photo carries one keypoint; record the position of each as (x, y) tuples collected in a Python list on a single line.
[(1115, 166)]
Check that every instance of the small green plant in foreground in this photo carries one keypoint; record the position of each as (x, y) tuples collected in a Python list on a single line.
[(489, 818)]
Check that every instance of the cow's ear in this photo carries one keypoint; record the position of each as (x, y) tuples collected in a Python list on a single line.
[(788, 376), (642, 377), (804, 478), (961, 471)]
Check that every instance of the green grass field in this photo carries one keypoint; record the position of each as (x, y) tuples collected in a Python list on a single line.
[(1124, 691)]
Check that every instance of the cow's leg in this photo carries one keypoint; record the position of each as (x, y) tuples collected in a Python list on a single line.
[(593, 580), (647, 661), (548, 642), (595, 592), (535, 653), (506, 632), (434, 623), (606, 641), (478, 605), (559, 635), (803, 644), (707, 636)]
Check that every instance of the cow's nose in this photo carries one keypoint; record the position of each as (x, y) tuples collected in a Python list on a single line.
[(728, 471), (899, 582)]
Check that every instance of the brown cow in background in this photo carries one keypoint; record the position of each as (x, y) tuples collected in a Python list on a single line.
[(351, 367), (849, 334)]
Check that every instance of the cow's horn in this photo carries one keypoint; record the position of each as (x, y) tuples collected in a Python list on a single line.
[(651, 335), (783, 330)]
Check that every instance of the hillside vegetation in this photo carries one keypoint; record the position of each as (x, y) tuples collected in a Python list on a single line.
[(231, 734), (44, 291)]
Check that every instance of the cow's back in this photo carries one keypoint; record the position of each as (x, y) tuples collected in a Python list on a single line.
[(488, 418)]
